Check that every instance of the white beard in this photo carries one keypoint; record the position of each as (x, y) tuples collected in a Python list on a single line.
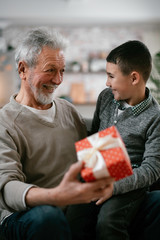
[(40, 97), (43, 98)]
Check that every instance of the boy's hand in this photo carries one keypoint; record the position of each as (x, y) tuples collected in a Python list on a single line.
[(107, 194)]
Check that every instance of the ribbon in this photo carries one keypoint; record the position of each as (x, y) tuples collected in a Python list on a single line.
[(92, 156)]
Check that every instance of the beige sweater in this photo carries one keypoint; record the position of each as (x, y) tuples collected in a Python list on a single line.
[(33, 151)]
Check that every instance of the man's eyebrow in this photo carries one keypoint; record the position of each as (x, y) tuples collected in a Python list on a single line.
[(53, 65)]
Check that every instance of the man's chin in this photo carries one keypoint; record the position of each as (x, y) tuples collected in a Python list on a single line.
[(45, 100)]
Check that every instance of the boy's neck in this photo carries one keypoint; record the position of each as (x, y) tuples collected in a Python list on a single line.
[(139, 97)]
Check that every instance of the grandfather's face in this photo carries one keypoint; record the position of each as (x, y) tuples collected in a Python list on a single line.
[(45, 77)]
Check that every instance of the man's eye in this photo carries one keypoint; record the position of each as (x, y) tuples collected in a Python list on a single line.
[(50, 70), (62, 71)]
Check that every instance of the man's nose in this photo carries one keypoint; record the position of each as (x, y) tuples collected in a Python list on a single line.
[(58, 78)]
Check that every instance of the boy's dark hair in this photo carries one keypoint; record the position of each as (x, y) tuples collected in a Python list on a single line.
[(132, 56)]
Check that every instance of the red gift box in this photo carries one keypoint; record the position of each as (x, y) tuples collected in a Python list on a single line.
[(104, 154)]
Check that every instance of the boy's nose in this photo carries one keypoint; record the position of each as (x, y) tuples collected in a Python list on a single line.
[(108, 84)]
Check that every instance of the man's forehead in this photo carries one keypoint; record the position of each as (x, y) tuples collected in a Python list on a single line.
[(50, 56), (50, 51)]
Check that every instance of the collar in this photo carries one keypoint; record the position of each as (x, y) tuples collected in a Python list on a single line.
[(140, 107)]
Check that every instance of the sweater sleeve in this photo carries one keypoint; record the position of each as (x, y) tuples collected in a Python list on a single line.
[(149, 170), (12, 185), (96, 120)]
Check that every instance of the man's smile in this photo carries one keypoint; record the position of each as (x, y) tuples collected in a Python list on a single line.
[(49, 88)]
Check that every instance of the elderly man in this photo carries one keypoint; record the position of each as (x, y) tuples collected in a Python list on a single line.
[(37, 139)]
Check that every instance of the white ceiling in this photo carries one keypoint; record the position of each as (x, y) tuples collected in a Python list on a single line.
[(80, 11)]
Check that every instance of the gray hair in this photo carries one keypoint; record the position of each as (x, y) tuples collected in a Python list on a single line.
[(33, 42)]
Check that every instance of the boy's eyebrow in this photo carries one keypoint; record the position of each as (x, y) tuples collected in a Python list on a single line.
[(109, 73)]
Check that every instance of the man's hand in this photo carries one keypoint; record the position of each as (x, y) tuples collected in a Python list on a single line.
[(71, 190)]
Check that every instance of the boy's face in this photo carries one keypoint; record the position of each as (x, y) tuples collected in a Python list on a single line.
[(120, 84)]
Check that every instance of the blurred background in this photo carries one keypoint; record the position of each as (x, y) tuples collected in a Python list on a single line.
[(93, 28)]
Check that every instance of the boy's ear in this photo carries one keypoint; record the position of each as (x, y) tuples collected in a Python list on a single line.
[(135, 78), (22, 67)]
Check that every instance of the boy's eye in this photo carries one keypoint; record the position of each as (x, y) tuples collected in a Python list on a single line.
[(110, 76)]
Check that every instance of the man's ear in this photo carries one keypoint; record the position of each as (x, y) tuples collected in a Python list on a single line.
[(22, 67), (135, 77)]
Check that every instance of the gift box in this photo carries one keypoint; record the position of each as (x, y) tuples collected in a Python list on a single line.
[(103, 154)]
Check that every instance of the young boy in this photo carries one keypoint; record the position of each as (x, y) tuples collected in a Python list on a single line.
[(126, 103)]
